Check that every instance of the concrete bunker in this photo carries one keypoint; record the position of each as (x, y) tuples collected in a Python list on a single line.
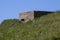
[(30, 15)]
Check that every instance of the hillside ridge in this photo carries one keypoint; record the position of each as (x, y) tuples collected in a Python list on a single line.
[(46, 27)]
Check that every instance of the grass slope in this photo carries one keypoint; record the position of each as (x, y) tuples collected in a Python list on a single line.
[(46, 27)]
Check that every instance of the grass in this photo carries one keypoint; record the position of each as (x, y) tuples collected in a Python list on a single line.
[(46, 27)]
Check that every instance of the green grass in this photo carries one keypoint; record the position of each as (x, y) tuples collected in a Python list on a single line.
[(46, 27)]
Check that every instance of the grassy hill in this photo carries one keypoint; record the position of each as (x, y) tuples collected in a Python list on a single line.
[(46, 27)]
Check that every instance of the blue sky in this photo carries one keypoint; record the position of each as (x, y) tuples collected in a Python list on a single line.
[(10, 9)]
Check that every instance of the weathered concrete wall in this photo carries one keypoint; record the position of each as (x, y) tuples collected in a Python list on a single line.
[(26, 16)]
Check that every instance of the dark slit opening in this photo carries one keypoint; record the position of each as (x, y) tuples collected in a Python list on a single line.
[(22, 19)]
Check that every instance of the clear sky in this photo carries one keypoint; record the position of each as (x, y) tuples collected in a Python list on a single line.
[(10, 9)]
